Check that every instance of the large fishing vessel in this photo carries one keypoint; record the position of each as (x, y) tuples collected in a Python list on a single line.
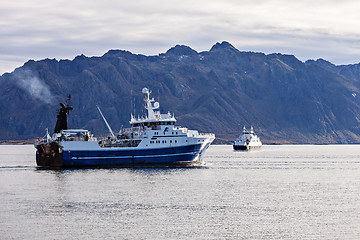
[(247, 140), (152, 140)]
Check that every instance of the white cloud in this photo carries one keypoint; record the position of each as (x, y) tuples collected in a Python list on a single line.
[(36, 29)]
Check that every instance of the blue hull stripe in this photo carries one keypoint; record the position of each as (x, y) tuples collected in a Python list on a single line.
[(116, 157), (152, 156)]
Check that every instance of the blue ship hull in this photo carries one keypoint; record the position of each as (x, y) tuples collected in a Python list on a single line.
[(117, 157)]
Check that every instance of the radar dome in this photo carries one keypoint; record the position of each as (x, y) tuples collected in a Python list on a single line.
[(145, 90), (156, 104)]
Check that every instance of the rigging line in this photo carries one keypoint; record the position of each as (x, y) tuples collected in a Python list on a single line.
[(107, 124)]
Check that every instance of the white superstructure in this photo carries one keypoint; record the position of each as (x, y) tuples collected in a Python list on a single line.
[(158, 130)]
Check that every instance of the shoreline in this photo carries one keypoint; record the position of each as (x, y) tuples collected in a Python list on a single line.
[(16, 142)]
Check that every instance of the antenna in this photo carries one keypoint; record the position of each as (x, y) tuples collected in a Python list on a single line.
[(107, 124), (132, 102), (134, 105)]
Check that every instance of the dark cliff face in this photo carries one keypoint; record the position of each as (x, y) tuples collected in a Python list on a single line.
[(286, 100)]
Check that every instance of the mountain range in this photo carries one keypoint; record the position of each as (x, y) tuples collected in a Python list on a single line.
[(220, 90)]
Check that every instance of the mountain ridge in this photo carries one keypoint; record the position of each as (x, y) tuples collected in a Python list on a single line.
[(220, 90)]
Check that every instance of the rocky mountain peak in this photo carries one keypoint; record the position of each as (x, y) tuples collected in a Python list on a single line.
[(180, 50), (223, 46)]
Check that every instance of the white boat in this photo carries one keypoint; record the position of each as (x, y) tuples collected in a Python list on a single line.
[(152, 140), (247, 140)]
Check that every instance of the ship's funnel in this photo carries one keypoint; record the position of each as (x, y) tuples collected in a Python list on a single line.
[(61, 123)]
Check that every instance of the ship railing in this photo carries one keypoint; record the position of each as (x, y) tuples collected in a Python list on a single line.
[(181, 128), (165, 116), (110, 142), (192, 133), (75, 135), (134, 133), (45, 139), (41, 140), (77, 138), (204, 134), (208, 135)]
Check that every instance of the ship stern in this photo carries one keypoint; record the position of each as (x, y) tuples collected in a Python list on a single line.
[(49, 155)]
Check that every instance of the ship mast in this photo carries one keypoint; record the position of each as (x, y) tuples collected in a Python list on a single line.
[(148, 104)]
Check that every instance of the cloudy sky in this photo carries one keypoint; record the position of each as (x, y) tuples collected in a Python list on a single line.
[(63, 29)]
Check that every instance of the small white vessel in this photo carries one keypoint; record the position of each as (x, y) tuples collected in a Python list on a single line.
[(247, 140)]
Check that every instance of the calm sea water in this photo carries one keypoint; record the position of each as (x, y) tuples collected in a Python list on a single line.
[(279, 192)]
